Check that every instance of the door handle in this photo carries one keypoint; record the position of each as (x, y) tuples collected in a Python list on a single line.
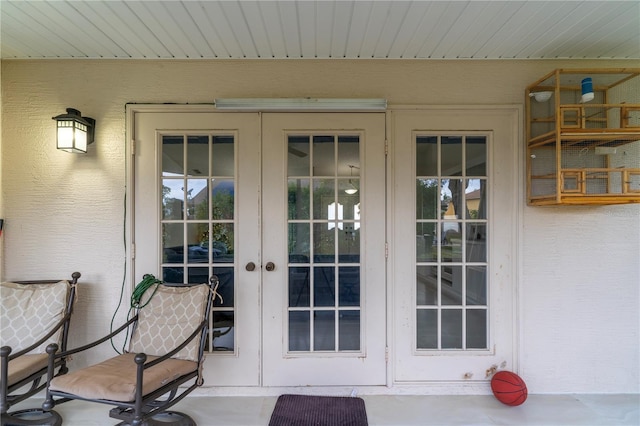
[(270, 266), (250, 266)]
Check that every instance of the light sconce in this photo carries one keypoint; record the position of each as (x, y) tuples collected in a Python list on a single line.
[(351, 189), (74, 132)]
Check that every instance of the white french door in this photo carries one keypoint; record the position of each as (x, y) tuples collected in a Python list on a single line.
[(287, 209), (196, 183), (324, 303), (454, 243)]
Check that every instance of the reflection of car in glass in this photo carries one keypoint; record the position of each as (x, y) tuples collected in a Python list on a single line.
[(201, 254)]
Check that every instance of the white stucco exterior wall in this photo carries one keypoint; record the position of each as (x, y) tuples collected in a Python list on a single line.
[(579, 278)]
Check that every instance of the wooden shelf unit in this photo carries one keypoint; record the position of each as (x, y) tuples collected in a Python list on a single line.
[(583, 153)]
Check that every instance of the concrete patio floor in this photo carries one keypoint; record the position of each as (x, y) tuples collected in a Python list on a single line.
[(394, 410)]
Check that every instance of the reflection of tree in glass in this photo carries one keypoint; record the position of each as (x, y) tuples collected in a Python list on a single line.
[(298, 200), (168, 210), (221, 208), (166, 204), (427, 198)]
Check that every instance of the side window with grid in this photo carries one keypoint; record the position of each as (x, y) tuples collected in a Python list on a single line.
[(452, 311)]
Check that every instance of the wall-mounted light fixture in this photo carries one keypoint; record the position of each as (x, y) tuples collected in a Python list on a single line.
[(74, 132), (300, 104)]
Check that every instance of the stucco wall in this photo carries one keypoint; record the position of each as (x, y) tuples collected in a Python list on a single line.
[(579, 278)]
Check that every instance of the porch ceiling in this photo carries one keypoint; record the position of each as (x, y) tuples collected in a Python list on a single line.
[(243, 29)]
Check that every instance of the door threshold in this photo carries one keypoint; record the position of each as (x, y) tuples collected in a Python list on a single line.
[(450, 388)]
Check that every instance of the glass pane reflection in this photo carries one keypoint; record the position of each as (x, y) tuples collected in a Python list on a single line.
[(299, 287), (222, 242), (324, 286), (197, 199), (452, 329), (427, 205), (226, 287), (476, 285), (349, 286), (299, 243), (299, 331), (172, 243), (476, 155), (222, 199), (298, 156), (324, 199), (451, 287), (172, 199), (299, 199), (476, 329), (324, 331), (426, 156), (223, 331), (222, 156), (349, 331), (172, 155), (426, 242), (427, 285), (476, 242), (323, 156), (323, 243), (451, 155), (427, 328), (197, 155), (476, 201)]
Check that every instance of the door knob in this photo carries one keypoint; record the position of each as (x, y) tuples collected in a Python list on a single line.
[(270, 266), (250, 266)]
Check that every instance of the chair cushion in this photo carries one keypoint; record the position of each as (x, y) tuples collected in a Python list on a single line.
[(115, 378), (172, 314), (26, 365), (29, 312)]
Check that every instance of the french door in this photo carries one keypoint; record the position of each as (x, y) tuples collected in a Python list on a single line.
[(288, 211), (454, 243), (324, 303)]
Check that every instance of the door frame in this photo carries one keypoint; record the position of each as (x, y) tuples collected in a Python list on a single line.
[(391, 388)]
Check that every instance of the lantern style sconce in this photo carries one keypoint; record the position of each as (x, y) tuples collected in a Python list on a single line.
[(74, 132)]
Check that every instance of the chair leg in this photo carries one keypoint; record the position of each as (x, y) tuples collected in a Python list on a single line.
[(167, 418), (31, 417)]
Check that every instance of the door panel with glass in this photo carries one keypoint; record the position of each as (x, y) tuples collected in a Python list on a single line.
[(455, 281), (324, 306), (196, 214)]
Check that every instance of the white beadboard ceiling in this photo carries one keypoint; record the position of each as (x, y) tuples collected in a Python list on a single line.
[(244, 29)]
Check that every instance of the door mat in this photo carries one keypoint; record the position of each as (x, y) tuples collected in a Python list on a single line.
[(306, 410)]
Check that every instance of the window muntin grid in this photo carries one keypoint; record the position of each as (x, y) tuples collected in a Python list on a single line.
[(324, 228), (198, 215), (451, 295)]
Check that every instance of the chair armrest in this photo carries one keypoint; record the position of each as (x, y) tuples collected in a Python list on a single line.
[(96, 342)]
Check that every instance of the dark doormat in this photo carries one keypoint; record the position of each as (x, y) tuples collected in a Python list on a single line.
[(305, 410)]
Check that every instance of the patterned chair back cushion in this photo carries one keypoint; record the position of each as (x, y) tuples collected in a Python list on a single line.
[(29, 312), (170, 316)]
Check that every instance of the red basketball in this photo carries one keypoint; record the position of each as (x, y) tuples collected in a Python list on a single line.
[(509, 388)]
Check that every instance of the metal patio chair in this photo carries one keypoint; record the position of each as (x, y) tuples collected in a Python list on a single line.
[(35, 318), (166, 350)]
